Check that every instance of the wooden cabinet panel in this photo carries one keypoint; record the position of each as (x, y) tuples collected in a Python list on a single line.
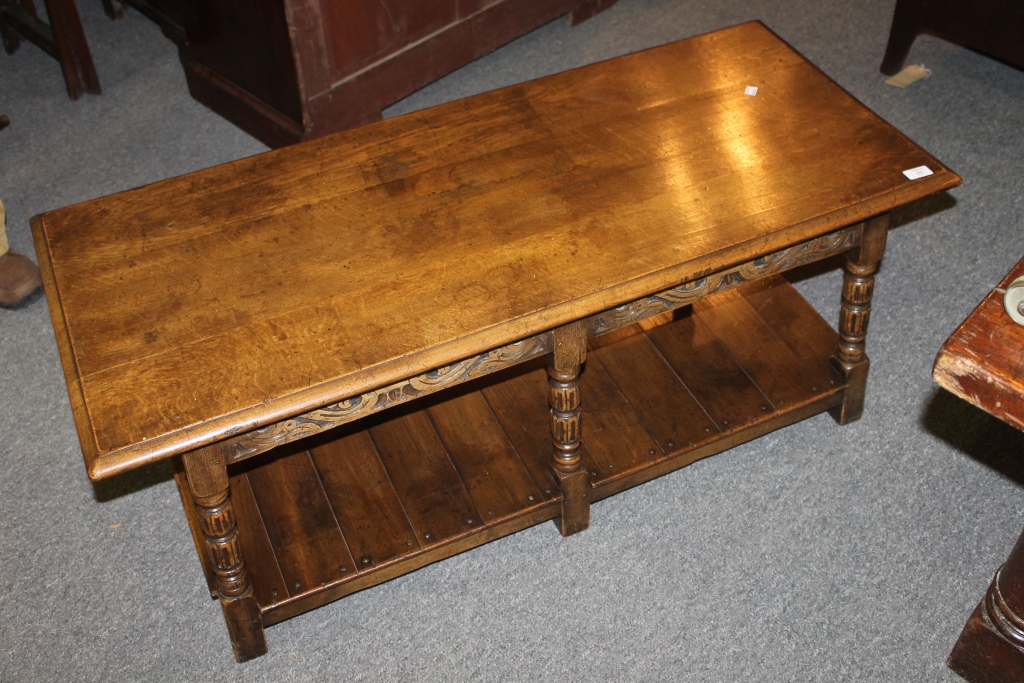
[(359, 33), (291, 70), (469, 7), (246, 42)]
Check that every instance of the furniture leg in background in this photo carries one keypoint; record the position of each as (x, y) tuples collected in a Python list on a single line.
[(858, 287), (992, 26), (62, 39)]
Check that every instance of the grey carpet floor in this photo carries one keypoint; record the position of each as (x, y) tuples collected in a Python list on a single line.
[(816, 553)]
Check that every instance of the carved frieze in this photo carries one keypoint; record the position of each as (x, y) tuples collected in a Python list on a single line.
[(265, 438), (688, 292)]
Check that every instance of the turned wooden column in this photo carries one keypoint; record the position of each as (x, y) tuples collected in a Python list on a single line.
[(570, 350), (858, 286), (207, 473)]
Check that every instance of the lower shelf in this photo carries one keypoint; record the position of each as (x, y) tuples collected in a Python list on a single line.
[(322, 518)]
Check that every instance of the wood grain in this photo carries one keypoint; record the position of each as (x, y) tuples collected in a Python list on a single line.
[(711, 374), (497, 480), (662, 402), (291, 70), (757, 349), (293, 506), (435, 498), (800, 327), (329, 417), (518, 404), (369, 511), (256, 547)]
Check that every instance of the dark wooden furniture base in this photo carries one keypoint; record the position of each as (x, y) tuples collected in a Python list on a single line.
[(981, 363), (374, 350), (991, 26), (62, 39)]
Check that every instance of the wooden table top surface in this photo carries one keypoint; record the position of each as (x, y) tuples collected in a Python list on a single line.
[(983, 360), (209, 304)]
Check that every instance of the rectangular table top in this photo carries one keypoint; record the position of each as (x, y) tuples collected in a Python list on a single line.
[(210, 304)]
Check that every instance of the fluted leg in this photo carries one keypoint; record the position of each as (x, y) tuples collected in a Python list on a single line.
[(858, 285), (207, 475), (570, 344)]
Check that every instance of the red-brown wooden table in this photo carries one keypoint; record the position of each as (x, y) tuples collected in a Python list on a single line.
[(983, 363)]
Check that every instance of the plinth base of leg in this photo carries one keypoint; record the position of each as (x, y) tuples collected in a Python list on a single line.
[(853, 400), (575, 502), (983, 655), (242, 615)]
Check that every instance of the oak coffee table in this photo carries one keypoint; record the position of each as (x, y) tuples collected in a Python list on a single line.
[(269, 324)]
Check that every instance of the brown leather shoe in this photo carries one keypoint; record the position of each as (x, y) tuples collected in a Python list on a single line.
[(19, 277)]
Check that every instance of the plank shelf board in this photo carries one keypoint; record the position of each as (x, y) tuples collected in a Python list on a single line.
[(327, 516)]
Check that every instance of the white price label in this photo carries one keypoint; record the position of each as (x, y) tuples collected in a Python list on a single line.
[(750, 90), (919, 172)]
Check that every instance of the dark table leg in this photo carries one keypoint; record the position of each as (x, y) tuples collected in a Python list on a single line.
[(75, 59), (908, 22), (992, 26), (62, 39)]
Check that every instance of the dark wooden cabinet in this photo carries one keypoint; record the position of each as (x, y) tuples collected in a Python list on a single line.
[(291, 70), (991, 26)]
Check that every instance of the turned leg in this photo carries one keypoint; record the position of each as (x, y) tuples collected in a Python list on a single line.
[(858, 284), (570, 344), (991, 646), (207, 473)]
